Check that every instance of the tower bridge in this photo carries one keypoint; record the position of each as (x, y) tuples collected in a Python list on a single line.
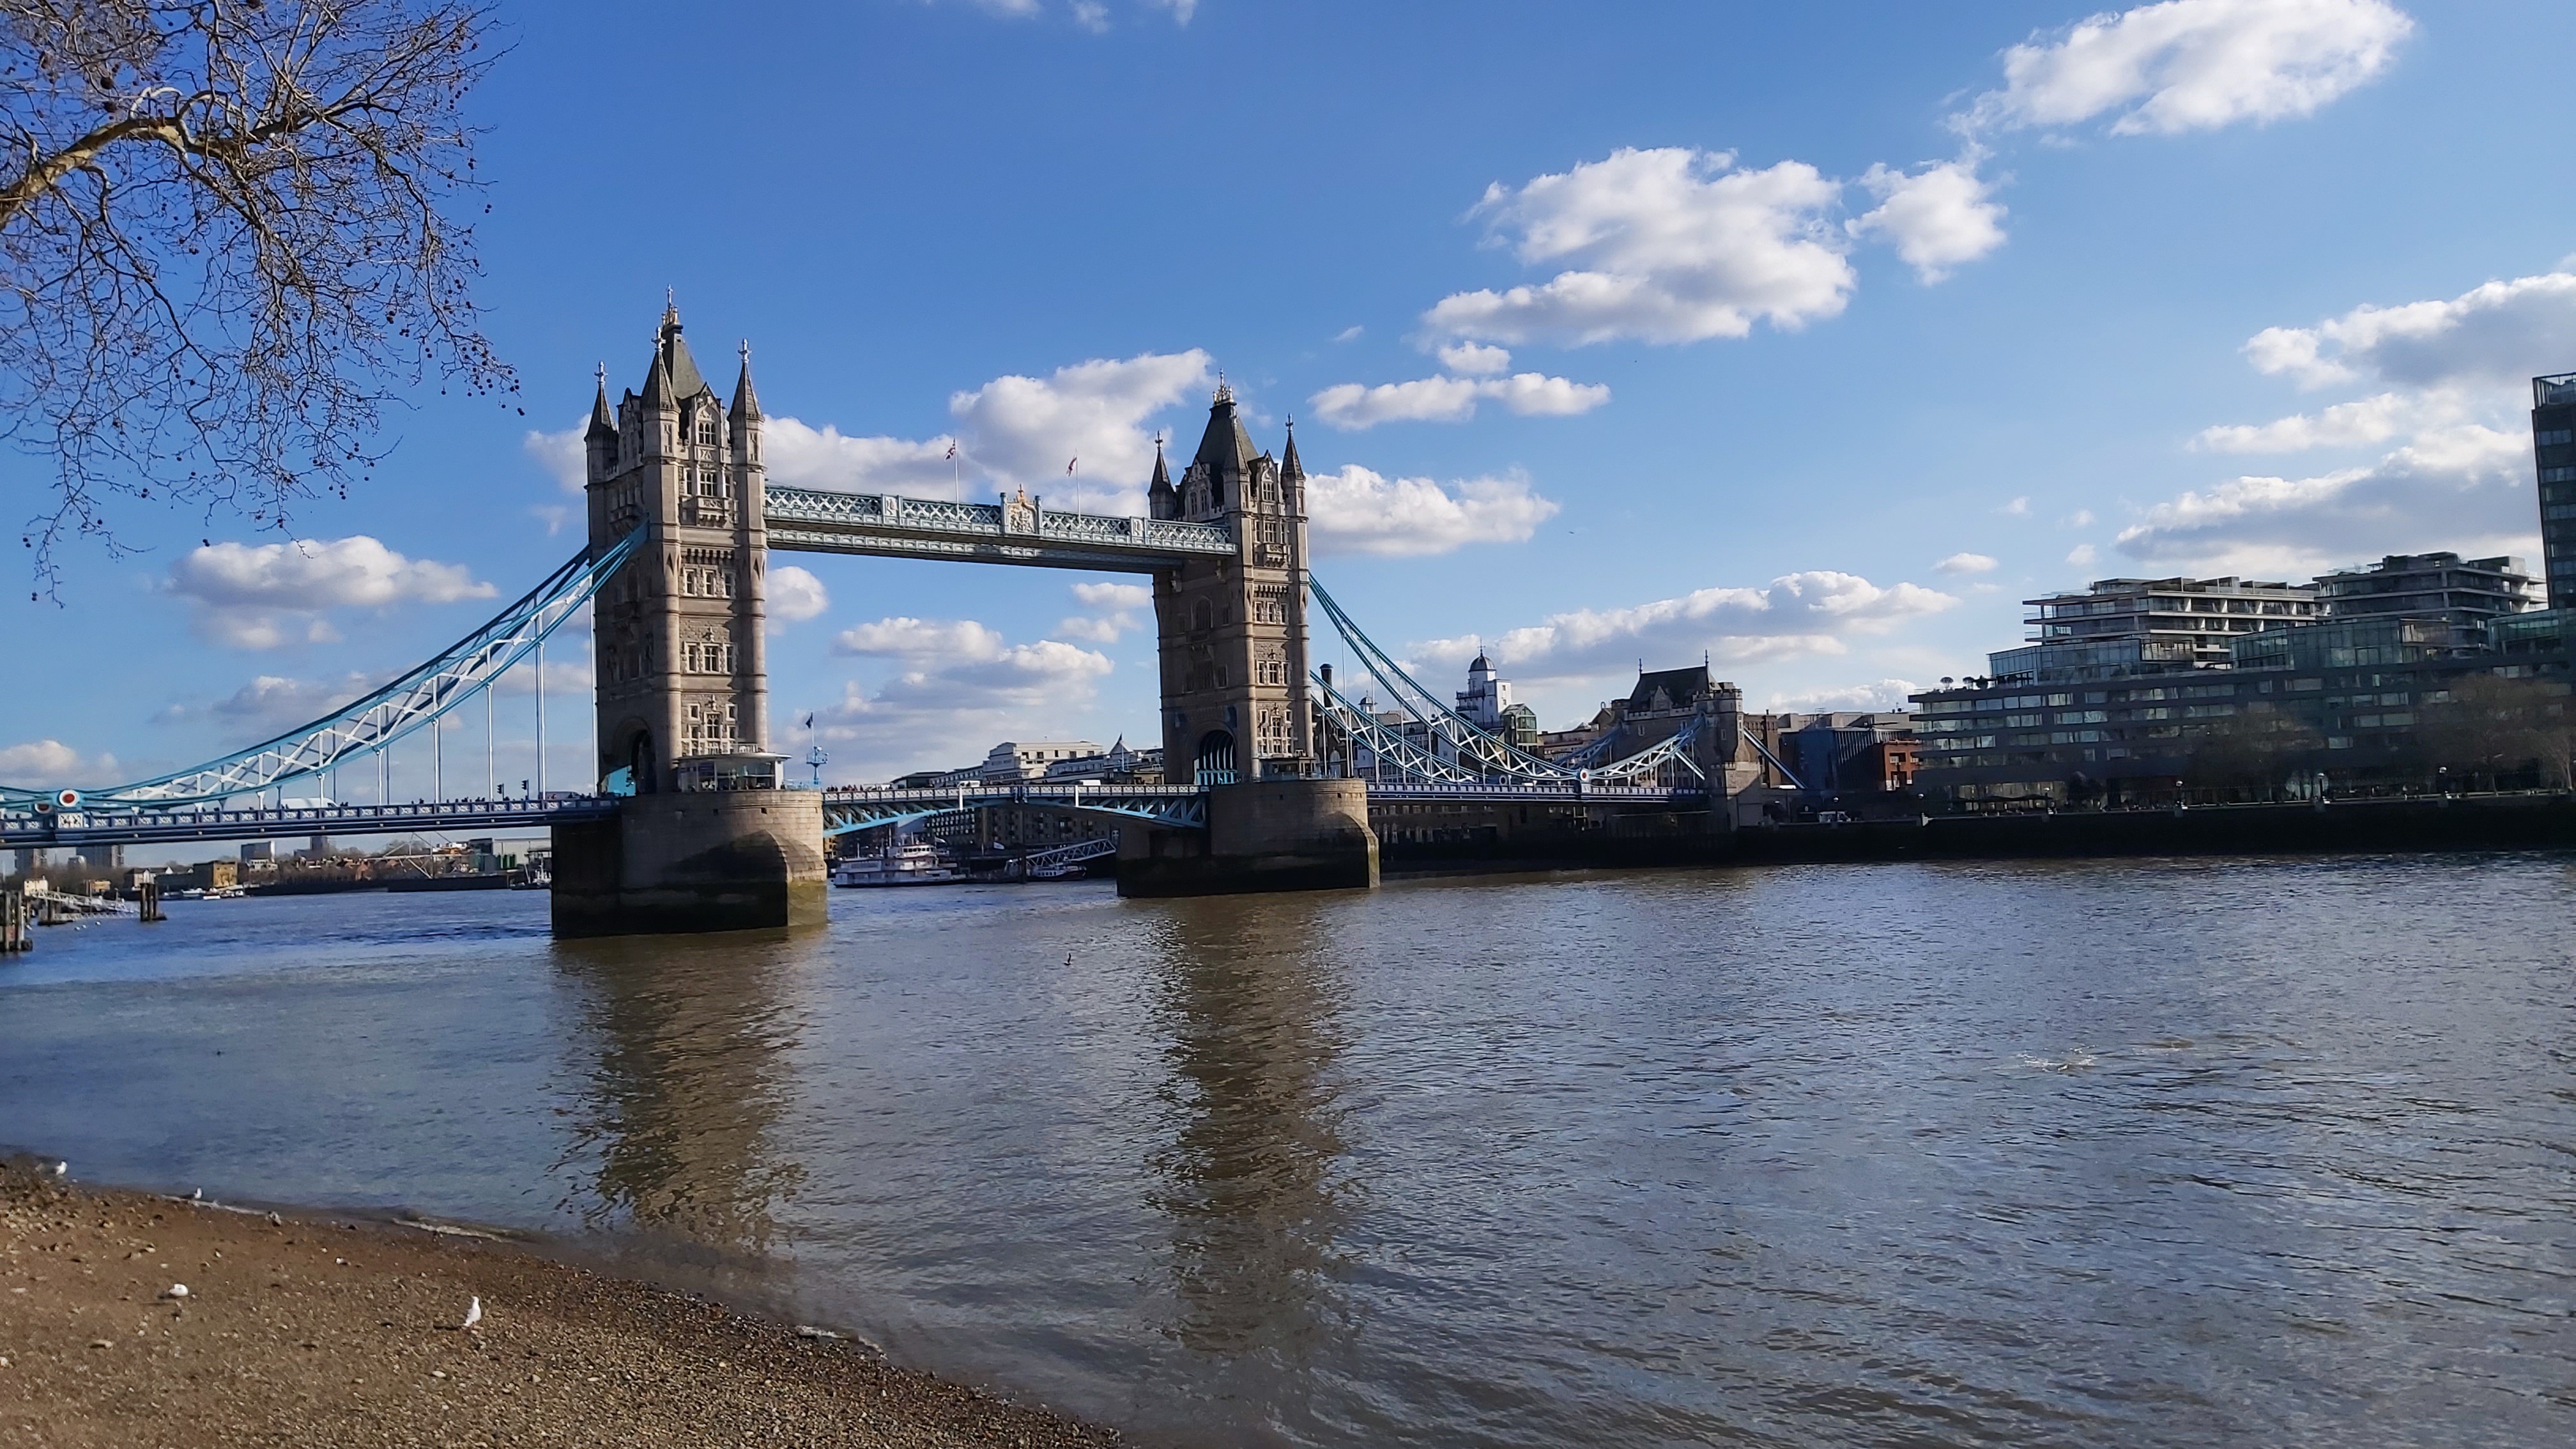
[(692, 823)]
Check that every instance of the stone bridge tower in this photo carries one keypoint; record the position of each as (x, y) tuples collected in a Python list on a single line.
[(1233, 630), (1237, 715), (708, 841), (683, 691)]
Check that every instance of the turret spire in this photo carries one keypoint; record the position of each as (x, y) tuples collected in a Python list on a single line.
[(746, 404), (1289, 467), (601, 421)]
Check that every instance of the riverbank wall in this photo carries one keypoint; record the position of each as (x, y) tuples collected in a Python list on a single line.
[(1660, 838)]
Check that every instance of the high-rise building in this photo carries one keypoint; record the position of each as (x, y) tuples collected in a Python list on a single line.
[(2553, 446), (2129, 625), (2462, 594)]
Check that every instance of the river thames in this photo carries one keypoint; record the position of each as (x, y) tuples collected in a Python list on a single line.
[(2136, 1152)]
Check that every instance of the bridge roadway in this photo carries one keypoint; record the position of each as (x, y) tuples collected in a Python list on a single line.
[(124, 826), (845, 809), (815, 520)]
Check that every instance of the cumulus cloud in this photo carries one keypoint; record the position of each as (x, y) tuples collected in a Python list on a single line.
[(2366, 420), (1353, 407), (1016, 432), (1023, 430), (2489, 334), (2082, 555), (564, 455), (1114, 609), (2465, 488), (800, 455), (1667, 245), (1803, 613), (1356, 510), (795, 595), (1966, 563), (1937, 218), (1475, 359), (259, 596), (2191, 65), (39, 764), (956, 681), (1873, 697)]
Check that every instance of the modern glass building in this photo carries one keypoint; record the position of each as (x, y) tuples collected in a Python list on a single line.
[(2553, 445)]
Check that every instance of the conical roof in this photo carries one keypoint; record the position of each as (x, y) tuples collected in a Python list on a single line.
[(1289, 467), (746, 403), (601, 420), (674, 352), (1225, 450)]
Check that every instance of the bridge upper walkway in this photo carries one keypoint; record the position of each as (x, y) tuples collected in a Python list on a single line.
[(815, 520)]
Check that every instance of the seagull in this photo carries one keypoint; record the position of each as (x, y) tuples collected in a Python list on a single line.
[(473, 1313)]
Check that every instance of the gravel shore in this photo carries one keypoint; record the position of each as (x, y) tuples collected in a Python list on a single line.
[(303, 1332)]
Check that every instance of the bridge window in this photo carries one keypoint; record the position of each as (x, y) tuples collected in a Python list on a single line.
[(707, 431), (1202, 615)]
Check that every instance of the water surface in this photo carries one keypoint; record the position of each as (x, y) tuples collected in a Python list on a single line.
[(2138, 1152)]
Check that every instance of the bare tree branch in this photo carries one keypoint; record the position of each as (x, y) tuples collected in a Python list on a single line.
[(228, 237)]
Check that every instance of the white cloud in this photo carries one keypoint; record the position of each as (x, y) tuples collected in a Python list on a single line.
[(802, 456), (1475, 359), (2497, 333), (1352, 407), (38, 764), (1875, 697), (2018, 507), (1351, 333), (2082, 555), (2464, 488), (1938, 218), (553, 516), (2187, 65), (1668, 245), (259, 596), (1360, 511), (1023, 430), (1114, 610), (1012, 432), (1804, 613), (958, 683), (2366, 420), (2080, 518), (1966, 563), (1091, 15), (795, 595), (565, 455)]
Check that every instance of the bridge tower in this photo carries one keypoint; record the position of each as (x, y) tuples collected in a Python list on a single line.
[(708, 840), (1237, 715)]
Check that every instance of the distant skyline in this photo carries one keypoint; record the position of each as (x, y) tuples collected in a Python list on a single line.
[(1809, 341)]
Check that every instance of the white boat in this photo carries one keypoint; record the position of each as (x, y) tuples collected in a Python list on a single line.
[(914, 862)]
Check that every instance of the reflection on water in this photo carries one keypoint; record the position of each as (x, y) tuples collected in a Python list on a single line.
[(1248, 1010), (677, 1105), (2138, 1152)]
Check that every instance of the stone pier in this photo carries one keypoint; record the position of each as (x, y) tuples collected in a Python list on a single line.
[(711, 860), (1264, 835)]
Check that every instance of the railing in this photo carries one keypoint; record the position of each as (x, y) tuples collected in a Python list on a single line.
[(991, 522)]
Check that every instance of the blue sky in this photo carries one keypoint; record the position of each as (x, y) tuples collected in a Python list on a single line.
[(1810, 338)]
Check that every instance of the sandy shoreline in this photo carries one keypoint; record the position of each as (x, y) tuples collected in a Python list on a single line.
[(310, 1332)]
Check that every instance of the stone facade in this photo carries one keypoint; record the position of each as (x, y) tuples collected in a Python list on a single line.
[(682, 687), (1233, 631)]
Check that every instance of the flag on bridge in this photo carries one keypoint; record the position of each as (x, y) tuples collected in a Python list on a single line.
[(952, 447), (1068, 468)]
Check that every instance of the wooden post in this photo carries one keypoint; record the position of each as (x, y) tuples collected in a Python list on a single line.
[(147, 895), (14, 935)]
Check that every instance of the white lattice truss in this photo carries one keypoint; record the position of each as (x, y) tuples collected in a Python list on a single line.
[(366, 726), (850, 808), (1439, 746)]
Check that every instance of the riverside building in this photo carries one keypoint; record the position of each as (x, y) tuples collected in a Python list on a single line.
[(2553, 448)]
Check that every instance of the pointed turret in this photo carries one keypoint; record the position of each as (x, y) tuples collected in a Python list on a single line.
[(657, 383), (746, 403), (1160, 500), (1225, 450), (686, 382), (603, 423), (1289, 468)]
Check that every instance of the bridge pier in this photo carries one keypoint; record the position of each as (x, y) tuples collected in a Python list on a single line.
[(686, 861), (1262, 835)]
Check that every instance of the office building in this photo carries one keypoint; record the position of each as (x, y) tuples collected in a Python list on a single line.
[(2461, 594), (2553, 447)]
